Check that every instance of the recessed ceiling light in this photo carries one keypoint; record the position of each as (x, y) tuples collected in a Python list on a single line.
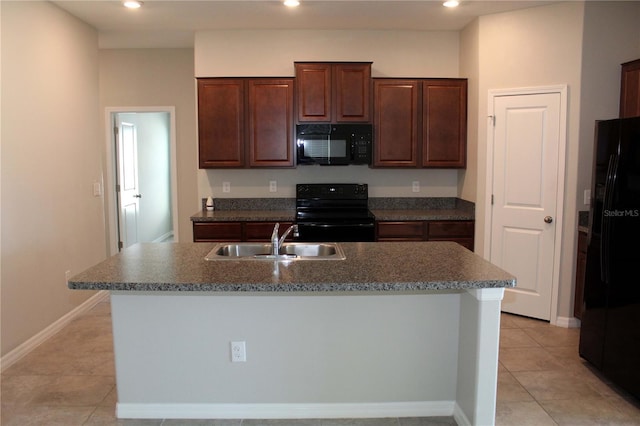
[(132, 4), (451, 3), (291, 3)]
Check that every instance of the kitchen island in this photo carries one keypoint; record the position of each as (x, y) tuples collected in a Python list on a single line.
[(395, 329)]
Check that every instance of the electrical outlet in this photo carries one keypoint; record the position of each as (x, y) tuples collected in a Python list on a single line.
[(238, 352), (273, 186), (226, 186), (587, 197), (415, 186)]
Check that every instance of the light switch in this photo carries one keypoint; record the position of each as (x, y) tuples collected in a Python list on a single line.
[(97, 189)]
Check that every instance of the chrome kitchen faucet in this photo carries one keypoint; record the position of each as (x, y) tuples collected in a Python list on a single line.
[(276, 242)]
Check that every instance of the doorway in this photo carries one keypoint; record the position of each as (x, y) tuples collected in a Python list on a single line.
[(140, 185), (526, 156)]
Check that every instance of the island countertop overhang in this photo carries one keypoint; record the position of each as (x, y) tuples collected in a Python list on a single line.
[(376, 267)]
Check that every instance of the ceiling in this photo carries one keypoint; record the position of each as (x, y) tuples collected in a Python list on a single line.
[(172, 23)]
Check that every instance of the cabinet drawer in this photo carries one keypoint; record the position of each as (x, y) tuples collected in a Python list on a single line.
[(219, 231), (443, 229), (261, 231), (401, 231)]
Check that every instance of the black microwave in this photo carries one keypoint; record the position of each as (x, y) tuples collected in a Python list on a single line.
[(334, 144)]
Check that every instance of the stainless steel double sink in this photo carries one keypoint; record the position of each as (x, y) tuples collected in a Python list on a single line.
[(287, 252)]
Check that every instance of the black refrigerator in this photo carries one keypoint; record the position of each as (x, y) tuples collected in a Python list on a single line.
[(610, 328)]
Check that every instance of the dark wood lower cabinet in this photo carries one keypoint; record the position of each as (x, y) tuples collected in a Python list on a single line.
[(401, 231), (236, 231), (460, 232), (419, 230)]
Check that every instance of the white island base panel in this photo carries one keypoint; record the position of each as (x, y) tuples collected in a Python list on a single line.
[(308, 355)]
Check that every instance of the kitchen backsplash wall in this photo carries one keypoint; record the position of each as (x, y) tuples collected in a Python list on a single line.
[(254, 183), (375, 203)]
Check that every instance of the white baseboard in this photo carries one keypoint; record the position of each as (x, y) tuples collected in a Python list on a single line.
[(567, 322), (285, 411), (18, 353), (460, 417), (163, 237)]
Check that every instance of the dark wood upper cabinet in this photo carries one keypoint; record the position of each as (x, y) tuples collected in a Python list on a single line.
[(333, 92), (221, 122), (396, 125), (420, 123), (271, 123), (630, 89), (352, 98), (245, 122), (444, 123), (313, 85)]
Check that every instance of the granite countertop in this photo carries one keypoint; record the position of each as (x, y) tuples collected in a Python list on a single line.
[(426, 214), (378, 267), (384, 209)]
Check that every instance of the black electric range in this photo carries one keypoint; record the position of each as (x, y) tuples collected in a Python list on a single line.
[(334, 212)]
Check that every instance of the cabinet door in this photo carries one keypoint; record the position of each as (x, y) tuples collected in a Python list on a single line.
[(313, 86), (352, 85), (396, 123), (271, 123), (460, 232), (217, 231), (630, 89), (221, 123), (444, 129), (401, 231), (261, 231)]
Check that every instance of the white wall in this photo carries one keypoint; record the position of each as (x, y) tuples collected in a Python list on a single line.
[(470, 68), (273, 52), (161, 77), (575, 43), (51, 222), (534, 47), (611, 37), (349, 348)]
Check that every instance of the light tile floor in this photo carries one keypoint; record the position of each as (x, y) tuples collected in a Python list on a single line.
[(69, 380)]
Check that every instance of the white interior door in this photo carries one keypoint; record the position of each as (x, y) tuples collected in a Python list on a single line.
[(525, 211), (129, 197)]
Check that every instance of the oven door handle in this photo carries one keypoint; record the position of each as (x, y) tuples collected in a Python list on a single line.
[(337, 225)]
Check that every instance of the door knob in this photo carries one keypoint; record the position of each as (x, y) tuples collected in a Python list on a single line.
[(140, 196), (548, 219)]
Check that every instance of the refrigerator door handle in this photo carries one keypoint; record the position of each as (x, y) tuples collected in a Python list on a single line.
[(605, 240)]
